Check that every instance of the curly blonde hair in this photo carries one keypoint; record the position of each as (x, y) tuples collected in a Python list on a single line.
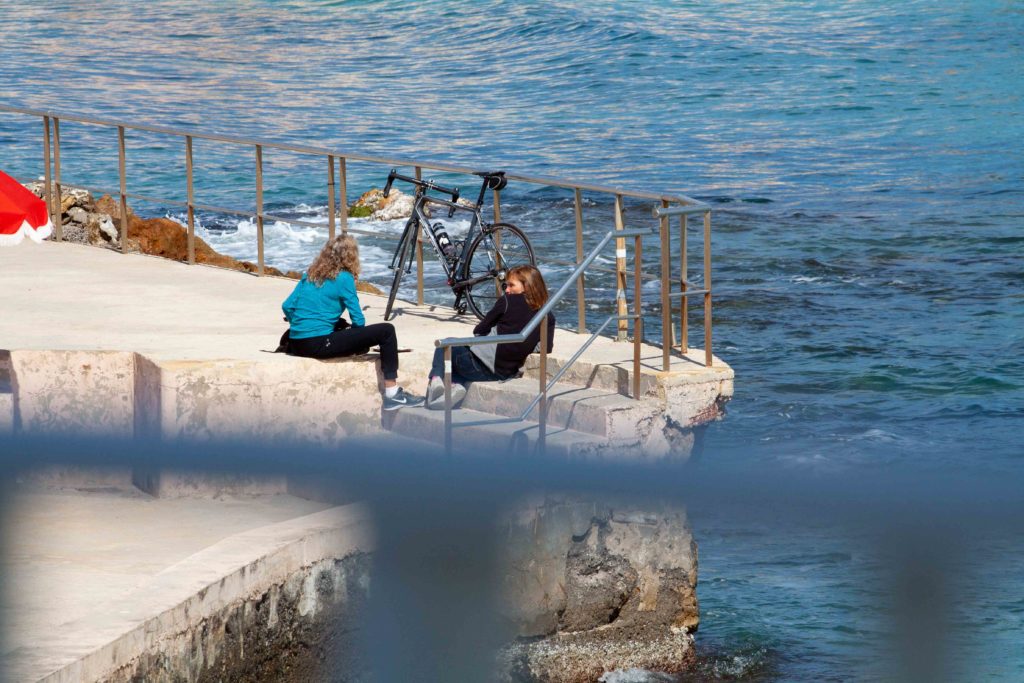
[(340, 253)]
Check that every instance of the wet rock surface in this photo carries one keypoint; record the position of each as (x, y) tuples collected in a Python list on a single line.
[(593, 587)]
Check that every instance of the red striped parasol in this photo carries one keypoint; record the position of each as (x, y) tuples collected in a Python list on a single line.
[(21, 213)]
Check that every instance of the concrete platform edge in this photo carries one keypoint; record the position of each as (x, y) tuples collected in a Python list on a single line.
[(154, 617)]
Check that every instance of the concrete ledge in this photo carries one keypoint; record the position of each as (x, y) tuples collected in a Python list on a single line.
[(161, 617)]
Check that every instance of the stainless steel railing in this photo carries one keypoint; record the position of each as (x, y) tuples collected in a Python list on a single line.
[(336, 181)]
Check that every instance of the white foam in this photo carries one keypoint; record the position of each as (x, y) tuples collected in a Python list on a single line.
[(288, 246)]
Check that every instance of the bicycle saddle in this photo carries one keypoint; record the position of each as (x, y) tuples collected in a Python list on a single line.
[(496, 180)]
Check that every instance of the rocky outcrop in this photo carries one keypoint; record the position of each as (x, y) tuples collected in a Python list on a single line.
[(590, 588), (98, 222), (373, 205), (169, 239)]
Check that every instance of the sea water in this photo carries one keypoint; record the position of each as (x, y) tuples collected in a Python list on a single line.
[(863, 163)]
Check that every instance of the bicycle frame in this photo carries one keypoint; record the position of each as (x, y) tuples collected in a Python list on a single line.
[(420, 220)]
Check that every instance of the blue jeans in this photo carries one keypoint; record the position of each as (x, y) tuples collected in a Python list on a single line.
[(465, 367)]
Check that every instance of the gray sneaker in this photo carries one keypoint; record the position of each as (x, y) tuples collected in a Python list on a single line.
[(402, 400), (435, 392), (458, 393)]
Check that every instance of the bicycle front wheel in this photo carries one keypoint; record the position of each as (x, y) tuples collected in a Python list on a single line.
[(497, 249), (401, 254)]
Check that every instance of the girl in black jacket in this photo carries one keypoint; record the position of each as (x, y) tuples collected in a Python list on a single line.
[(525, 293)]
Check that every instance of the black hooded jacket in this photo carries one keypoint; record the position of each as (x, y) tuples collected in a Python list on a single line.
[(511, 313)]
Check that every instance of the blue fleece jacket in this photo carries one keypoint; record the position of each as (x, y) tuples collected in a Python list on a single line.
[(312, 311)]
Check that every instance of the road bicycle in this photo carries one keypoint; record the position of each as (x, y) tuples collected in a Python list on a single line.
[(475, 266)]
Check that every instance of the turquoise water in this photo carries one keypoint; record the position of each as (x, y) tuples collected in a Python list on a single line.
[(863, 160)]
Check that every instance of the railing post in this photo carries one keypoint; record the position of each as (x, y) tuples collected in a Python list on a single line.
[(448, 400), (707, 288), (259, 210), (191, 191), (47, 188), (419, 253), (638, 254), (620, 274), (496, 238), (581, 296), (343, 166), (124, 188), (330, 197), (666, 284), (684, 301), (638, 334), (543, 373), (58, 218)]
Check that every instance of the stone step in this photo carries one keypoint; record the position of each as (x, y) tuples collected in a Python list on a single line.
[(613, 370), (597, 411), (493, 438)]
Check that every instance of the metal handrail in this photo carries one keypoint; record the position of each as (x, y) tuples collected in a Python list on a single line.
[(554, 380), (540, 318), (552, 300), (333, 166), (337, 161)]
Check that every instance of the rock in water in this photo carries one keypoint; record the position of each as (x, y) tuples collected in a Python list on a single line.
[(374, 205)]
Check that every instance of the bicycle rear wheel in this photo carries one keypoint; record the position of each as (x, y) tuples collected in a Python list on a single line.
[(402, 253), (495, 250)]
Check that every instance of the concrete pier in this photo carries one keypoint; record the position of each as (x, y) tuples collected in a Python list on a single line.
[(130, 346), (103, 343)]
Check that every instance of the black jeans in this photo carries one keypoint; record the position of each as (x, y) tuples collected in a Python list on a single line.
[(352, 341), (465, 367)]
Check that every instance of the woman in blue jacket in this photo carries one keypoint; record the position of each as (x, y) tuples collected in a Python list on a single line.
[(317, 330)]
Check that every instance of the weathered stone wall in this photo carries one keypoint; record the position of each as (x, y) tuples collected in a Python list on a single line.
[(592, 587), (300, 629)]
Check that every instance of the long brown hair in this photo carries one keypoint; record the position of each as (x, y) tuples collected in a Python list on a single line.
[(534, 288), (340, 253)]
